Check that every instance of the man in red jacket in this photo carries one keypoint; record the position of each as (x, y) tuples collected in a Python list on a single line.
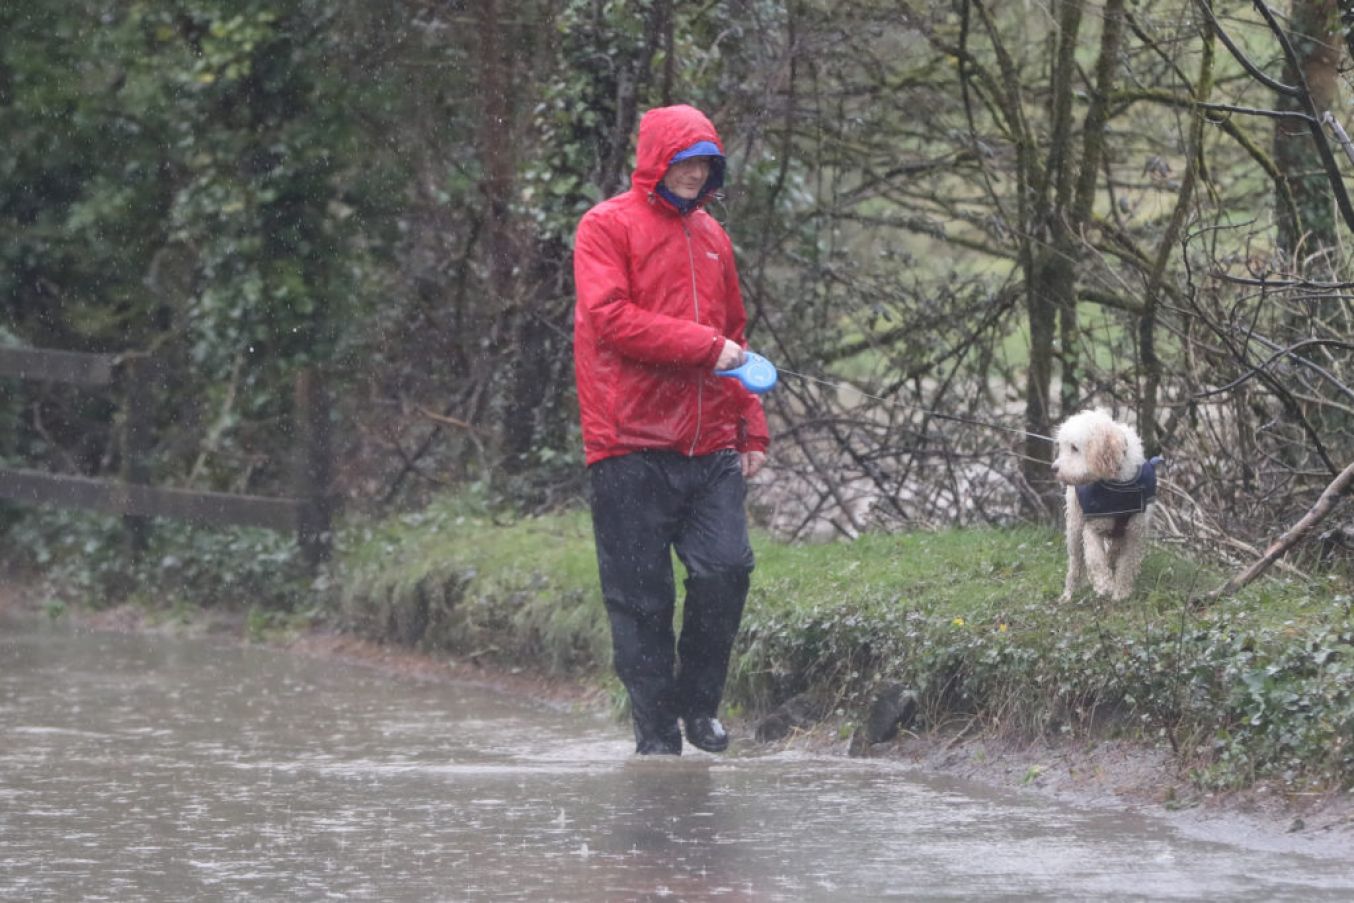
[(669, 445)]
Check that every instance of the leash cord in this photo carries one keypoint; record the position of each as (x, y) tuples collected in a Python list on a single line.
[(896, 403)]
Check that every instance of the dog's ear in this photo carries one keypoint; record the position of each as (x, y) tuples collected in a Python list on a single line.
[(1107, 451)]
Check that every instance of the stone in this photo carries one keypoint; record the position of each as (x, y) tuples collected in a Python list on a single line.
[(894, 709), (796, 713)]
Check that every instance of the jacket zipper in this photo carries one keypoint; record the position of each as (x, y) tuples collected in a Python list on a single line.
[(696, 307)]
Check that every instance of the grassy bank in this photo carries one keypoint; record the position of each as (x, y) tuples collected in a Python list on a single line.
[(1258, 687)]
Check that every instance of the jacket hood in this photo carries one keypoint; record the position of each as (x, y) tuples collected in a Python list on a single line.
[(664, 133)]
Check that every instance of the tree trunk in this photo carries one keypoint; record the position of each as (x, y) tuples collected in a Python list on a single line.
[(1314, 33), (1149, 362), (1051, 281), (497, 164)]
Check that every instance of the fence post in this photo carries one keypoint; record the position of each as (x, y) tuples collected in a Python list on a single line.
[(313, 468), (134, 373)]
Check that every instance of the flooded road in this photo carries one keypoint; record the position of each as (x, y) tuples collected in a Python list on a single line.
[(149, 768)]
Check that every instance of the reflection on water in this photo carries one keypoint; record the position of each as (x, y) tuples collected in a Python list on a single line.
[(151, 768)]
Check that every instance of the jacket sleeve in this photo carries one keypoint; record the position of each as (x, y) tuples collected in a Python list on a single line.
[(602, 281), (753, 433)]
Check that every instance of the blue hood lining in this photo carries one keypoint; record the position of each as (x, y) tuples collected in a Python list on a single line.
[(715, 181), (699, 149)]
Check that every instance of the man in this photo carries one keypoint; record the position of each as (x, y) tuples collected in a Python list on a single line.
[(669, 445)]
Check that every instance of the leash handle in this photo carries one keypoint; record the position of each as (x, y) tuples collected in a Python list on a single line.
[(756, 373)]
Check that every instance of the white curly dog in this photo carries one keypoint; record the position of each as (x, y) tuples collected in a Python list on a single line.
[(1111, 491)]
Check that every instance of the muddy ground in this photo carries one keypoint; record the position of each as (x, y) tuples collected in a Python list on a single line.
[(1102, 774)]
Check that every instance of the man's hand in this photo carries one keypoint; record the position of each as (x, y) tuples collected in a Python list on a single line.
[(752, 462), (730, 356)]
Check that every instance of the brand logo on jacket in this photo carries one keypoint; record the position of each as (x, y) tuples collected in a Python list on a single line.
[(712, 255)]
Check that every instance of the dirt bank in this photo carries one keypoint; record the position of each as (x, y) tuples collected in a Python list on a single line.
[(1106, 774)]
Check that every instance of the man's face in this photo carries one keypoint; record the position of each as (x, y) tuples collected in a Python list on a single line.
[(687, 177)]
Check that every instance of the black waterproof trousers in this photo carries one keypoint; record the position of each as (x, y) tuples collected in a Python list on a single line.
[(644, 506)]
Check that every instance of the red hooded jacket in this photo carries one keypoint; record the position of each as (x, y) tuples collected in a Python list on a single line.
[(657, 295)]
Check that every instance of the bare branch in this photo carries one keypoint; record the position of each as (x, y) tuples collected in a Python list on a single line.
[(1338, 488), (1255, 71), (1333, 175), (1291, 350)]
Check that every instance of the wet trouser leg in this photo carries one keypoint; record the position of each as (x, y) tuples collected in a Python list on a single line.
[(634, 519), (710, 618), (714, 547), (644, 505)]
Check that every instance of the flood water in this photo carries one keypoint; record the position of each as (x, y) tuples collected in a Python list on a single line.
[(151, 768)]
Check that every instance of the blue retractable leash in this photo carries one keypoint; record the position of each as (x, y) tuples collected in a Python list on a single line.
[(756, 373), (760, 376)]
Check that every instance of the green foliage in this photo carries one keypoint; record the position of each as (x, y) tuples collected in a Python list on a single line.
[(85, 557), (265, 144), (191, 178), (605, 52), (1288, 699)]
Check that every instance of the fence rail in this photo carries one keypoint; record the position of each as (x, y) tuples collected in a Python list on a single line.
[(116, 497), (74, 367), (308, 514)]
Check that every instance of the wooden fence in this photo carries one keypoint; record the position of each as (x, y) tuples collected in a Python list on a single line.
[(130, 376)]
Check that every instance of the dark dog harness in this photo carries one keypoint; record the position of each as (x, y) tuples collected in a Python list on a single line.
[(1120, 500)]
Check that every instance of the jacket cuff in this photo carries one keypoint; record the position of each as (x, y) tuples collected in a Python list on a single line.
[(749, 441), (716, 346)]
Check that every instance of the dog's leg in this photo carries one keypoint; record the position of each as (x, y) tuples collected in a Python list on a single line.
[(1130, 551), (1076, 560), (1098, 566)]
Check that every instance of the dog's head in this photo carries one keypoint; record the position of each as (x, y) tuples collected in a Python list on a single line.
[(1092, 446)]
